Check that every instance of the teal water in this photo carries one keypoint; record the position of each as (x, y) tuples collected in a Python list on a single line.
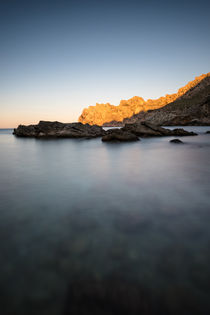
[(76, 213)]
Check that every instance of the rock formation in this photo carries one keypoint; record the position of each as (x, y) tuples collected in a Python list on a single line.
[(145, 129), (102, 113), (119, 135), (47, 129), (177, 141), (131, 132), (190, 105), (190, 109)]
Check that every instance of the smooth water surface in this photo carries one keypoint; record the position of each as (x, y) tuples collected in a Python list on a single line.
[(79, 212)]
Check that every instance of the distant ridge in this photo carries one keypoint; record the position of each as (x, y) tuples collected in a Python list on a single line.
[(190, 102)]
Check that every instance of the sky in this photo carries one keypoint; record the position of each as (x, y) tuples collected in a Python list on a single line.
[(58, 57)]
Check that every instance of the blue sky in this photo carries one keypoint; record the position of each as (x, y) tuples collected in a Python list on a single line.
[(58, 57)]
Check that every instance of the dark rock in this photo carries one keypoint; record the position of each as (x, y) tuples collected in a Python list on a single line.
[(48, 129), (208, 131), (182, 132), (113, 123), (145, 129), (176, 141), (119, 135)]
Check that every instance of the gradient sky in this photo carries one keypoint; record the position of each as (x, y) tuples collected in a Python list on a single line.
[(58, 57)]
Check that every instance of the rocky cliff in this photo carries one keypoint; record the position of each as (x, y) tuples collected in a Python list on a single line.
[(192, 99), (192, 108)]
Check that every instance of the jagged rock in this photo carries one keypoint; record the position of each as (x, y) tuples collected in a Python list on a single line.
[(102, 113), (193, 108), (176, 141), (181, 132), (145, 129), (119, 135), (48, 129), (114, 123), (190, 105)]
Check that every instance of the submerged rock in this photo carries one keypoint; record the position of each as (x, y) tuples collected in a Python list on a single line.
[(176, 141), (48, 129), (145, 129), (119, 135)]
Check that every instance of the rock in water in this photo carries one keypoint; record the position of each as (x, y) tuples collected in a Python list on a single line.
[(208, 131), (131, 132), (176, 141), (48, 129), (119, 135), (145, 129)]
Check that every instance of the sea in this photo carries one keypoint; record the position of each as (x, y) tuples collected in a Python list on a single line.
[(88, 227)]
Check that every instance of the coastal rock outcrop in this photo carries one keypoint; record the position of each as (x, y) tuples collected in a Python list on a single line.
[(190, 105), (178, 141), (131, 132), (48, 129), (145, 129), (102, 113), (194, 111), (119, 135)]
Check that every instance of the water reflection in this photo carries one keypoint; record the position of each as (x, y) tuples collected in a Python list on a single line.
[(92, 228)]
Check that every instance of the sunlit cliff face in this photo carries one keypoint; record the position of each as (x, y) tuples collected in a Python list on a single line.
[(103, 113)]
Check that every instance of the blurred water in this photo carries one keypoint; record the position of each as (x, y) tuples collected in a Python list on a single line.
[(84, 209)]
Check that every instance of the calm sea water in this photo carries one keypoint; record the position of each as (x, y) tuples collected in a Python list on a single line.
[(82, 218)]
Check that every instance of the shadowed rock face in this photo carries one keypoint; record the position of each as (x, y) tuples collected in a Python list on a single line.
[(189, 105), (183, 112), (47, 129), (119, 135), (145, 129), (176, 141)]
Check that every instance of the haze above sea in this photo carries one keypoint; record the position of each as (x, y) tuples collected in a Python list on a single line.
[(76, 211)]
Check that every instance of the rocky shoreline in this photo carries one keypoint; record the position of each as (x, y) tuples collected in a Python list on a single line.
[(55, 129), (130, 132)]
